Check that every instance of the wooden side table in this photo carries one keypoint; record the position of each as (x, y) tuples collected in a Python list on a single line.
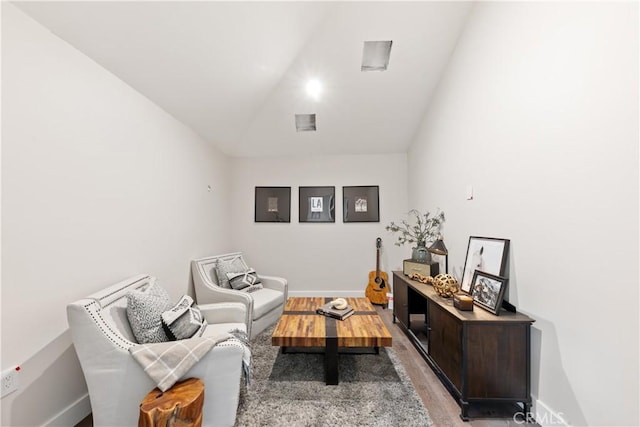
[(180, 406)]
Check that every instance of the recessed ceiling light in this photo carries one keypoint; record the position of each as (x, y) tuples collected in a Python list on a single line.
[(314, 88), (375, 55), (305, 122)]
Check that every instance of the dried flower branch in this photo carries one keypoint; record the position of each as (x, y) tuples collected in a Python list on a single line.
[(426, 228)]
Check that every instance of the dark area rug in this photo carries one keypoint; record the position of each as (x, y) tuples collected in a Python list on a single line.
[(289, 390)]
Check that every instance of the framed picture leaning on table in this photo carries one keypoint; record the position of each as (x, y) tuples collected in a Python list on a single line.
[(486, 254), (487, 291)]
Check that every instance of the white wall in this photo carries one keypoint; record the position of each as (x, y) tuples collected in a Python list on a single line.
[(538, 111), (98, 184), (319, 258)]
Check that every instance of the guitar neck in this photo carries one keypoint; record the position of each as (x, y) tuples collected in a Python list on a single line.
[(377, 262)]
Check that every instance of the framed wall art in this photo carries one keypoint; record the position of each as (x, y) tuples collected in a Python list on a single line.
[(486, 254), (317, 204), (273, 204), (361, 204), (487, 291)]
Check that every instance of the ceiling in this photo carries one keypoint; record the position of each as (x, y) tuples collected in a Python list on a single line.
[(235, 72)]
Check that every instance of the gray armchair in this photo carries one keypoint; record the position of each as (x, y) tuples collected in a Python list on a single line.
[(264, 306), (117, 384)]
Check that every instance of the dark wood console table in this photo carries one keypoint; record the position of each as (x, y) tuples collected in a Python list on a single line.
[(478, 356)]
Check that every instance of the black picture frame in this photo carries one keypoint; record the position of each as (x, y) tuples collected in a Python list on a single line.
[(488, 291), (361, 203), (273, 204), (317, 204), (487, 254)]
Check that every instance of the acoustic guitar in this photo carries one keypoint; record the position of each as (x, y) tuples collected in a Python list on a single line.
[(377, 288)]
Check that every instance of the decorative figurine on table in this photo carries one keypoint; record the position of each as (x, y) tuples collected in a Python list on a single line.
[(445, 285)]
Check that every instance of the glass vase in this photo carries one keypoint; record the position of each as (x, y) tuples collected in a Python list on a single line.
[(420, 254)]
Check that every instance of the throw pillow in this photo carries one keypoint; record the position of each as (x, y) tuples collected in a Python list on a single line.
[(243, 280), (223, 268), (144, 311), (184, 320), (252, 288)]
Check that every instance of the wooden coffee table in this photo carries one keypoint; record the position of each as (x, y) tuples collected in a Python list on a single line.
[(300, 327)]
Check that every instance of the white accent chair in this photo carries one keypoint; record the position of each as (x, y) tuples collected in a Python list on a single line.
[(117, 383), (264, 306)]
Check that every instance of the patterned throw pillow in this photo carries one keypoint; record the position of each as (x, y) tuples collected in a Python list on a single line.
[(223, 268), (246, 281), (144, 311), (184, 320), (252, 288)]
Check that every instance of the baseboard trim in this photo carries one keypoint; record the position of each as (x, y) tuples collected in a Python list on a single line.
[(343, 294), (546, 417), (72, 414)]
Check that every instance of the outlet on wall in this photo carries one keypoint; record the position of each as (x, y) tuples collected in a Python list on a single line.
[(10, 380)]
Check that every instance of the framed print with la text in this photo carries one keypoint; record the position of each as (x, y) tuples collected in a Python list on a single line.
[(317, 204)]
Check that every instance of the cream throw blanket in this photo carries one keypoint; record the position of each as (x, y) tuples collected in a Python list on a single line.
[(167, 362)]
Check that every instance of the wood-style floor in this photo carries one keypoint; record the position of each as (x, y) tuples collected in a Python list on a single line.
[(442, 407)]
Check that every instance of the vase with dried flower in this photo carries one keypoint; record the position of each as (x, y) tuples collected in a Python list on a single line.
[(421, 229)]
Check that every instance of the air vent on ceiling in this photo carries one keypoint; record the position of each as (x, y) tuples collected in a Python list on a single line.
[(305, 122), (375, 55)]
